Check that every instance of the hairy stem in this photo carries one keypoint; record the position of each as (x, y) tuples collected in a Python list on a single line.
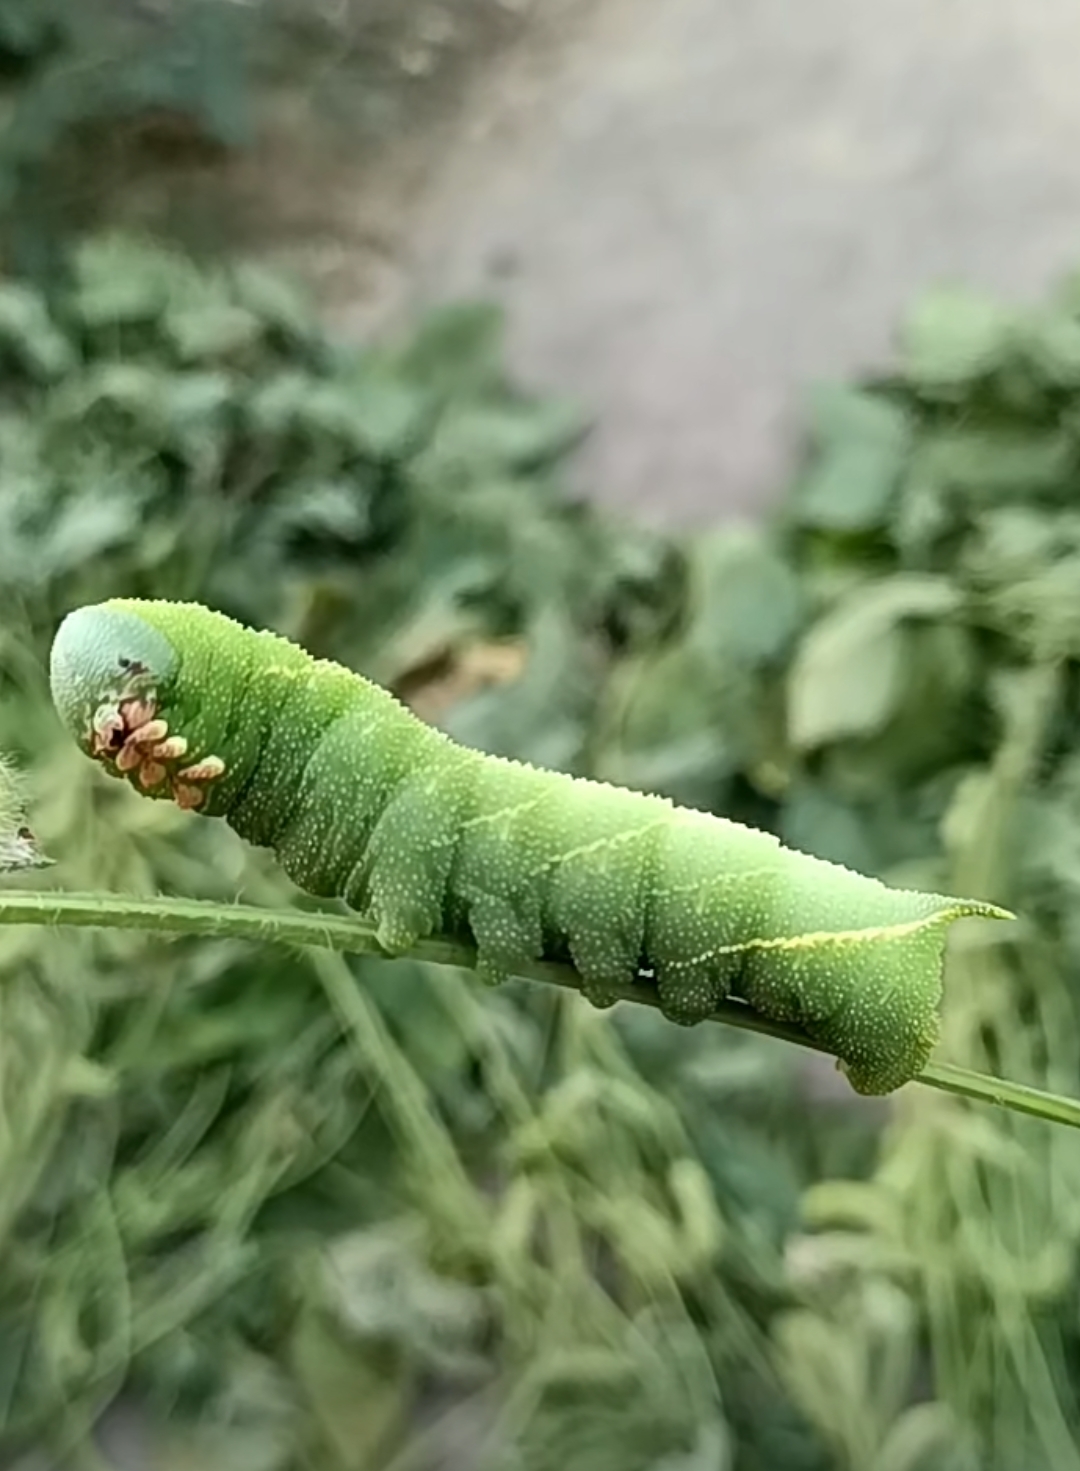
[(190, 917)]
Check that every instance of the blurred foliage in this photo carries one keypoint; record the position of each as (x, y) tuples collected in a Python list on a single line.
[(309, 1221), (83, 79), (327, 1214), (145, 111), (921, 723), (931, 736)]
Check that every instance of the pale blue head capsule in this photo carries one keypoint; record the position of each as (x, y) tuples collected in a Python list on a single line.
[(102, 657)]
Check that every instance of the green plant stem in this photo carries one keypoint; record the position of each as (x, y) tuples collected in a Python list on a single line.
[(194, 917)]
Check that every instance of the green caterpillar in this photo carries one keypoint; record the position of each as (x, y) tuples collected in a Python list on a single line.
[(360, 799)]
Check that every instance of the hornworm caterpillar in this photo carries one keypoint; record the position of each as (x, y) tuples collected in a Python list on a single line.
[(18, 846), (360, 799)]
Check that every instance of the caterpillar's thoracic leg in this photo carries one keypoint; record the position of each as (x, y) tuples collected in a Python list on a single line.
[(172, 748), (210, 768)]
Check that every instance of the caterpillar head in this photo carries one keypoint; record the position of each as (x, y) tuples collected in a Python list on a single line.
[(117, 686)]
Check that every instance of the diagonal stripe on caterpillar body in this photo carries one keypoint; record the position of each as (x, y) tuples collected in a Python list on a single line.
[(362, 800)]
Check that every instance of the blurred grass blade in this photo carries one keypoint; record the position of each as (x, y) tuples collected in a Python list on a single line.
[(337, 932)]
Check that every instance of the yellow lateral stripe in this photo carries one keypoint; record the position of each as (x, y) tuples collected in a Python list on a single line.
[(598, 844), (486, 819), (823, 938), (716, 883)]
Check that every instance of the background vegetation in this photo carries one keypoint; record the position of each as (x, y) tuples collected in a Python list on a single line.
[(321, 1213)]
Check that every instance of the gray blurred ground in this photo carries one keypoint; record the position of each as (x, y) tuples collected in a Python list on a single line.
[(694, 207)]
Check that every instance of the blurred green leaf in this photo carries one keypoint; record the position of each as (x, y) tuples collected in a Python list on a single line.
[(1051, 344), (119, 280), (29, 336), (998, 461), (744, 600), (860, 446), (954, 336), (847, 675), (458, 350)]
